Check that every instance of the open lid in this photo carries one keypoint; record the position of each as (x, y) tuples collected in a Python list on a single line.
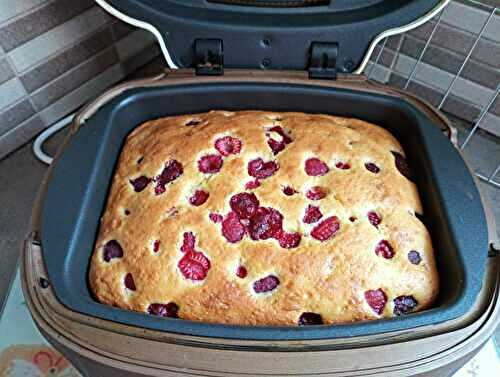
[(272, 34)]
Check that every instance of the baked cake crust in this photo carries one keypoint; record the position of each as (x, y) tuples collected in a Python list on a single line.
[(270, 258)]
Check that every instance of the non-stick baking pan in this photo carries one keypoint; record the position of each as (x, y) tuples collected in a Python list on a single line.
[(80, 180)]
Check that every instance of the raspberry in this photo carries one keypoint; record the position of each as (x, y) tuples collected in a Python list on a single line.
[(228, 145), (371, 167), (194, 265), (164, 310), (266, 284), (198, 198), (241, 272), (252, 184), (315, 167), (414, 257), (289, 191), (244, 204), (384, 249), (376, 299), (374, 219), (315, 193), (342, 165), (259, 169), (402, 165), (215, 217), (289, 240), (140, 183), (172, 170), (188, 241), (129, 282), (326, 229), (308, 319), (404, 305), (156, 246), (275, 145), (232, 229), (312, 214), (266, 223), (112, 249), (210, 163)]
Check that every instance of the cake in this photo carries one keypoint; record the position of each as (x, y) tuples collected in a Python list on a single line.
[(263, 218)]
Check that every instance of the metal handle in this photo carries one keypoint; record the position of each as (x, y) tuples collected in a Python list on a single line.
[(273, 3)]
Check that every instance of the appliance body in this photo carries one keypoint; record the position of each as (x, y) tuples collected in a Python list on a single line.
[(105, 341)]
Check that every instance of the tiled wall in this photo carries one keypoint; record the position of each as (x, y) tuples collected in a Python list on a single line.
[(54, 56), (453, 40), (57, 54)]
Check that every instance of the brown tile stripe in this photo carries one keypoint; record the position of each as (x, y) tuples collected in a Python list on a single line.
[(15, 115), (386, 58), (141, 58), (6, 72), (35, 23), (451, 62), (66, 60), (121, 29), (74, 79), (23, 133)]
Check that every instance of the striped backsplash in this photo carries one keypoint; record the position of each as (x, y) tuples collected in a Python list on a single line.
[(55, 55)]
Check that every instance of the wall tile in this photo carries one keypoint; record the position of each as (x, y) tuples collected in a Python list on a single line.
[(491, 123), (6, 72), (43, 19), (10, 92), (74, 78), (66, 60), (12, 8), (20, 135), (47, 45), (134, 43), (121, 29), (495, 107), (15, 114), (138, 60)]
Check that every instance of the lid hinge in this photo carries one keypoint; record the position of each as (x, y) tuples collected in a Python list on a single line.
[(323, 60), (209, 56)]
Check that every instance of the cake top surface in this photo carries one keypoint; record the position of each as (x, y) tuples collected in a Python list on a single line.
[(263, 218)]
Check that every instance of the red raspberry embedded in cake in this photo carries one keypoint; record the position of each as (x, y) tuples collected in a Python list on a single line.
[(241, 272), (156, 246), (228, 145), (384, 249), (278, 145), (289, 240), (129, 282), (308, 319), (376, 299), (252, 184), (194, 265), (112, 250), (289, 191), (198, 198), (244, 204), (215, 217), (210, 164), (414, 257), (169, 310), (140, 183), (188, 241), (265, 223), (266, 284), (232, 228), (371, 167), (404, 305), (172, 170), (316, 193), (402, 165), (326, 229), (343, 165), (314, 167), (312, 215), (259, 169), (374, 219)]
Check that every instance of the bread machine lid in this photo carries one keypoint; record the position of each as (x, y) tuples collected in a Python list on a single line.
[(323, 36)]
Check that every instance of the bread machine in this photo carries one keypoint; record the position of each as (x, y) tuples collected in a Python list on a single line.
[(304, 55)]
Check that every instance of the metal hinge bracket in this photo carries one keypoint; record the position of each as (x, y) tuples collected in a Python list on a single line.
[(323, 60), (209, 55)]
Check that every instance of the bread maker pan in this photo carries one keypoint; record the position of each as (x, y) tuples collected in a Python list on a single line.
[(323, 42)]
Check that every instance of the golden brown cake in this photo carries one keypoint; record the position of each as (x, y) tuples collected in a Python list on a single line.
[(262, 218)]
